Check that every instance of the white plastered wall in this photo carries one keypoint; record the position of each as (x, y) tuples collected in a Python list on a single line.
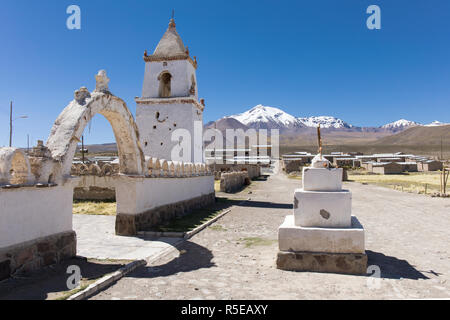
[(135, 195), (156, 133), (29, 213)]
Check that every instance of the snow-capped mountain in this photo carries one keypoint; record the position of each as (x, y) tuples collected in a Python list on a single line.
[(325, 122), (263, 117), (400, 124), (436, 124)]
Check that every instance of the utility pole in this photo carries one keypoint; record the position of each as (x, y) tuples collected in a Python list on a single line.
[(82, 149), (28, 143), (11, 122), (215, 142), (10, 125)]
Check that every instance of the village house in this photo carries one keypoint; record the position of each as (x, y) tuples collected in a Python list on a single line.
[(409, 166), (430, 165), (382, 163), (385, 167)]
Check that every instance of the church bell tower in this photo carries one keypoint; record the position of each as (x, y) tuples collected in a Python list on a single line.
[(169, 102)]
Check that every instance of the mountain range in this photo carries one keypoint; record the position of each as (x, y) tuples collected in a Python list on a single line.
[(265, 117), (299, 133)]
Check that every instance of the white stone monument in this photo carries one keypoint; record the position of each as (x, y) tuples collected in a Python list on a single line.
[(322, 235)]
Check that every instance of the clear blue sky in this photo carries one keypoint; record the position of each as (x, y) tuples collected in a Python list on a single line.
[(306, 57)]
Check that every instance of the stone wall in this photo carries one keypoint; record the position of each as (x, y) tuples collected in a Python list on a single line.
[(253, 170), (233, 181), (92, 187), (98, 181), (130, 224), (95, 194), (38, 253), (93, 169), (292, 165)]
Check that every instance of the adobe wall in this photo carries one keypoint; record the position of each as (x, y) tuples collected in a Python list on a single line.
[(233, 181), (254, 170), (95, 188), (292, 165)]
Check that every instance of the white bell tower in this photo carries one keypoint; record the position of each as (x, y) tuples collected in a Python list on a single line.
[(169, 102)]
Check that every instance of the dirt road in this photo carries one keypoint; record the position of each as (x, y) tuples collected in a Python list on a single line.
[(407, 237)]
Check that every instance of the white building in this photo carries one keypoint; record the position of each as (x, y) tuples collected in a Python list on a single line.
[(169, 102)]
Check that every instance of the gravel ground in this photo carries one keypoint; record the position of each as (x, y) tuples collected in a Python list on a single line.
[(407, 237), (50, 283)]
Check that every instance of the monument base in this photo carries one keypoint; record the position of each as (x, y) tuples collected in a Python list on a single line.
[(334, 250), (345, 263), (332, 240)]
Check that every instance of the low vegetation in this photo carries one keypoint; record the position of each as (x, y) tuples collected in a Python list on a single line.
[(217, 227), (196, 218), (256, 241), (217, 185), (67, 294), (94, 207), (418, 182)]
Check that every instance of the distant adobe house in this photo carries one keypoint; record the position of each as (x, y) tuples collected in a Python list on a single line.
[(294, 162), (347, 162), (386, 167), (429, 165), (365, 165), (391, 159), (409, 166)]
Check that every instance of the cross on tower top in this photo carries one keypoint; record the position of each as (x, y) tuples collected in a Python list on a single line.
[(319, 139), (172, 20)]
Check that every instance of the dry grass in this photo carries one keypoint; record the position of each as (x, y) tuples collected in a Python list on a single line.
[(95, 208), (197, 217), (256, 241), (410, 182), (217, 185)]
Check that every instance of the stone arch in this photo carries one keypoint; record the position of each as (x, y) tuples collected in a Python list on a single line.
[(165, 79), (107, 170), (156, 167), (199, 169), (14, 167), (84, 169), (187, 169), (164, 167), (182, 169), (172, 172), (95, 170), (194, 170), (149, 166), (74, 169), (178, 170), (69, 126)]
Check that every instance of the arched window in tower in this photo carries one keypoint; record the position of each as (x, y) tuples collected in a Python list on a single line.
[(164, 84)]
